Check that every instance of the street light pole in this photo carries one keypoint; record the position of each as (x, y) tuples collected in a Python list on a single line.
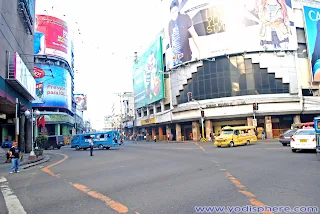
[(32, 114)]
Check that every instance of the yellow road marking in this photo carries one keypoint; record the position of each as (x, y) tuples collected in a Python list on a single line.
[(200, 147), (242, 189), (116, 206), (47, 170)]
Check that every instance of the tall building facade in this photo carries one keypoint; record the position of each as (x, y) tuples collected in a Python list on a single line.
[(54, 75), (16, 63), (223, 63)]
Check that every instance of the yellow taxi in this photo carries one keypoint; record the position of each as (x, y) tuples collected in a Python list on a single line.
[(236, 136)]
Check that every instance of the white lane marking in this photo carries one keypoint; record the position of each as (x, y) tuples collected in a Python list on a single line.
[(13, 204)]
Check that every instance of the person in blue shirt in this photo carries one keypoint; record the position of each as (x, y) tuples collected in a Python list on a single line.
[(39, 40)]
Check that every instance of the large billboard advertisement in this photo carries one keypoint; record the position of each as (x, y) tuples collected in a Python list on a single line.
[(312, 20), (199, 29), (53, 88), (81, 101), (148, 77), (52, 37)]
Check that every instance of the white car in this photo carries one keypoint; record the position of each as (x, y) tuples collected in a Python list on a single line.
[(303, 139)]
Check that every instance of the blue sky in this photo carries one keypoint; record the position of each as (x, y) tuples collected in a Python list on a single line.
[(106, 36)]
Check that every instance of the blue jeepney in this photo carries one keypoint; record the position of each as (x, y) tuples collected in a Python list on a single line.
[(101, 140), (317, 129)]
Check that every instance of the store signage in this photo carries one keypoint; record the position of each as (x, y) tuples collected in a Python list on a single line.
[(148, 121), (217, 105)]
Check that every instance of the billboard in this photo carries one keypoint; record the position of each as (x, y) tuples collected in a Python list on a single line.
[(312, 21), (53, 88), (199, 29), (51, 37), (148, 77), (81, 101)]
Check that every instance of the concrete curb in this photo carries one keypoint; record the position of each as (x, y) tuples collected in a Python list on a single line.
[(45, 158)]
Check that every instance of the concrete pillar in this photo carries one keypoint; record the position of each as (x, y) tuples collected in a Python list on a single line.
[(28, 138), (296, 119), (196, 131), (137, 114), (162, 105), (154, 109), (22, 142), (161, 133), (57, 131), (249, 121), (178, 132), (148, 111), (208, 125), (268, 127), (142, 112)]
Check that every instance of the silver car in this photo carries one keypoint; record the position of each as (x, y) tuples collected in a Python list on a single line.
[(285, 137)]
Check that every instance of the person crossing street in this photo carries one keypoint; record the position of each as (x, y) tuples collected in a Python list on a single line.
[(91, 146)]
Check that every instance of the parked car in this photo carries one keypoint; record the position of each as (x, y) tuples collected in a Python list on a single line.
[(6, 144), (303, 139), (285, 137), (55, 141)]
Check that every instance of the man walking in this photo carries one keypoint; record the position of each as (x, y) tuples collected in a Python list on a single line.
[(91, 145), (15, 156)]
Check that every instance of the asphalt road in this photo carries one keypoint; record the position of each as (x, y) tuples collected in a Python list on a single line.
[(166, 178)]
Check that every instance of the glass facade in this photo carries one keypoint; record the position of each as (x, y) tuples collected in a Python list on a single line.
[(229, 77)]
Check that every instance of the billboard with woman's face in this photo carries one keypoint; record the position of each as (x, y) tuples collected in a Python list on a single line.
[(198, 29), (51, 37)]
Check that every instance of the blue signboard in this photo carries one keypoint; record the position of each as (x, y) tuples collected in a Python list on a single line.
[(312, 19), (53, 87)]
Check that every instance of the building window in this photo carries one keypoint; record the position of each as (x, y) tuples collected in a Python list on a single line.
[(230, 77)]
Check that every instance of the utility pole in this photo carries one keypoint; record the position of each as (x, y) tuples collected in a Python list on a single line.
[(17, 120)]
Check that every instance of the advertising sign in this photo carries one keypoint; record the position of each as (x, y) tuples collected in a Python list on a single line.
[(198, 29), (81, 101), (53, 88), (51, 37), (312, 20), (24, 76), (148, 77)]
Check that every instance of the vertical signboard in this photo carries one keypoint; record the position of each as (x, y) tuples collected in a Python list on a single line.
[(312, 23), (148, 76)]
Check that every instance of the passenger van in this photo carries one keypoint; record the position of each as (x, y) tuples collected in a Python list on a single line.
[(236, 136), (54, 141), (101, 140)]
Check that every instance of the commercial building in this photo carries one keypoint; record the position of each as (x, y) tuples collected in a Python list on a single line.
[(16, 65), (54, 74), (227, 62), (128, 113)]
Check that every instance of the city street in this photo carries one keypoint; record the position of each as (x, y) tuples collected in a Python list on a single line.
[(164, 178)]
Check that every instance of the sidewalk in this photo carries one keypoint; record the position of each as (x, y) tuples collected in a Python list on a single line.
[(6, 166)]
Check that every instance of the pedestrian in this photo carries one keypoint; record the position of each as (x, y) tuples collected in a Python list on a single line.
[(263, 135), (155, 138), (15, 156), (91, 146)]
